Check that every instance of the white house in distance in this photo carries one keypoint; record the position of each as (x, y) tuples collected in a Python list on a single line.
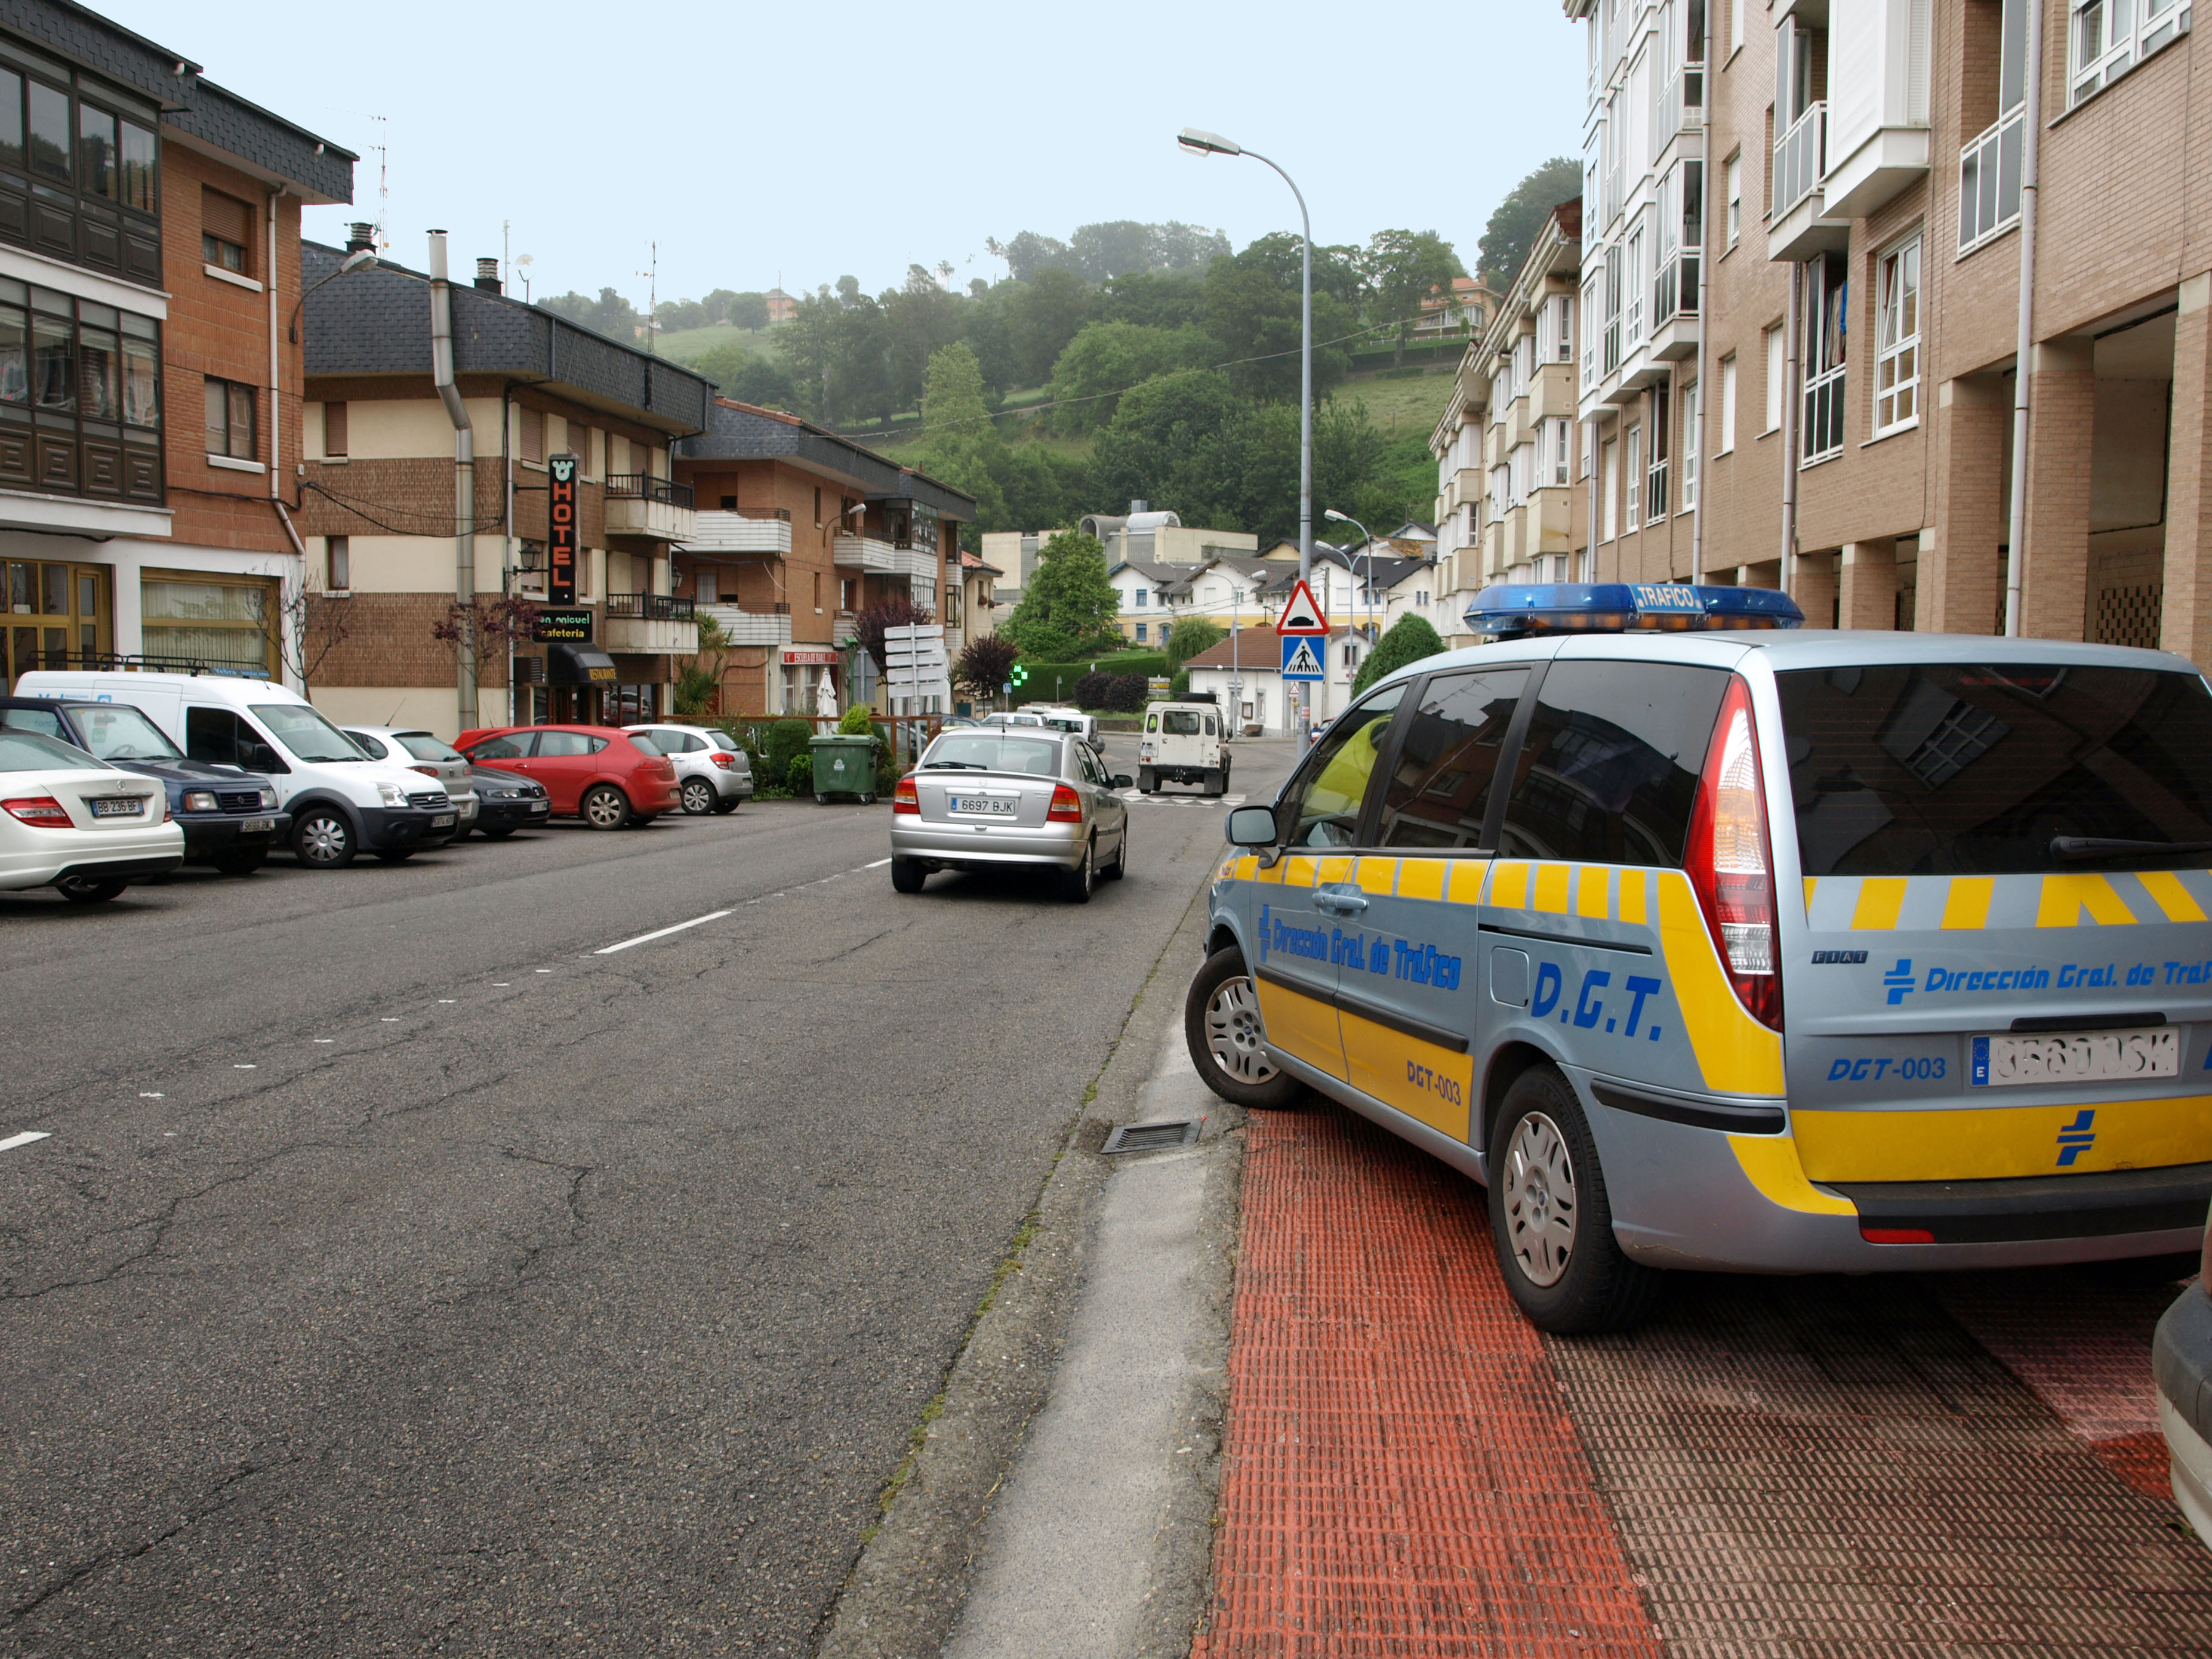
[(1253, 658)]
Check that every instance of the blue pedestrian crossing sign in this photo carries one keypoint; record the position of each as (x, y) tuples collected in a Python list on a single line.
[(1302, 657)]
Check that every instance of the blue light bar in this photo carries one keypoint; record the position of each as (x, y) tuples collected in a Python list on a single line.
[(1509, 611)]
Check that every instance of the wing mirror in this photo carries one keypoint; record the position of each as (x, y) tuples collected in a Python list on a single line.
[(1123, 781), (1254, 827)]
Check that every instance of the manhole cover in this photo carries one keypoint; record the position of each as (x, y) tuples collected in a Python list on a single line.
[(1152, 1137)]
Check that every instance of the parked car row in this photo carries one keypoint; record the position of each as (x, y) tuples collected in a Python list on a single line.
[(243, 766)]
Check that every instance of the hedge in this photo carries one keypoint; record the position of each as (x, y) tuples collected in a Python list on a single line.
[(1148, 664)]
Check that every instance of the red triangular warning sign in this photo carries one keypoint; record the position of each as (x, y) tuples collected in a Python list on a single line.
[(1302, 615)]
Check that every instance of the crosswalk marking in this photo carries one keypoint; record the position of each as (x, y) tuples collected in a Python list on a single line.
[(1138, 798)]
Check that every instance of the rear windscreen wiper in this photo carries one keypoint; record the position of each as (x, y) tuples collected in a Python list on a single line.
[(954, 766), (2098, 847)]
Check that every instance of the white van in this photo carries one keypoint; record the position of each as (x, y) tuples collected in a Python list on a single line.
[(341, 801), (1182, 744), (1072, 720)]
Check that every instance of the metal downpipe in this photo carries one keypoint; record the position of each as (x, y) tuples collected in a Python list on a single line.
[(465, 483), (2023, 362)]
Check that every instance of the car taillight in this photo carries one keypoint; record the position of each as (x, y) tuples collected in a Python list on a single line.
[(903, 798), (427, 771), (1066, 805), (1731, 861), (725, 761), (42, 811)]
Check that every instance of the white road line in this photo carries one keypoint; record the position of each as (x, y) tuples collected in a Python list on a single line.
[(877, 865), (658, 933), (24, 1139)]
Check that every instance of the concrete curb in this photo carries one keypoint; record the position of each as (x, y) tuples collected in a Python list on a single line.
[(906, 1592)]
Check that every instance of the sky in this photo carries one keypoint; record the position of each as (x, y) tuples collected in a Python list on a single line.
[(795, 143)]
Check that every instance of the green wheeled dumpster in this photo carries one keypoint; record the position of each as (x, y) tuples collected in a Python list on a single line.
[(844, 764)]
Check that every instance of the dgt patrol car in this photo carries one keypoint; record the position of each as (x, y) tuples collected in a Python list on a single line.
[(1707, 944)]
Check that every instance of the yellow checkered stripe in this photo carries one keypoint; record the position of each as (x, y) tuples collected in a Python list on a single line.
[(1969, 903)]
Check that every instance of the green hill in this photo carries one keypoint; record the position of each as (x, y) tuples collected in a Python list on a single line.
[(688, 345)]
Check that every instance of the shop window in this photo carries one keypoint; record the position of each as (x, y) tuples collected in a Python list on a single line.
[(224, 623)]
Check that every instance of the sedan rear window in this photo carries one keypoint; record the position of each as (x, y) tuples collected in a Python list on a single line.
[(1958, 768), (26, 751), (988, 752), (424, 747)]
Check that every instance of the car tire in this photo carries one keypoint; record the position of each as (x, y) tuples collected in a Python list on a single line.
[(498, 832), (323, 839), (698, 797), (1550, 1221), (1120, 867), (908, 875), (394, 854), (83, 890), (729, 806), (1146, 782), (1221, 1027), (605, 807), (241, 864), (1077, 884), (1216, 784)]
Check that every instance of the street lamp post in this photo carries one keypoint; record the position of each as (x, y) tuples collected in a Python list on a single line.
[(1367, 552), (1199, 142)]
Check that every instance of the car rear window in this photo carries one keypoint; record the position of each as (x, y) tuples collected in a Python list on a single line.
[(1035, 757), (1940, 769), (1608, 771), (1179, 723), (424, 747), (26, 751)]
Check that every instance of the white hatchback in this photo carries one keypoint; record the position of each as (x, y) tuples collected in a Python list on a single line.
[(76, 825), (714, 775)]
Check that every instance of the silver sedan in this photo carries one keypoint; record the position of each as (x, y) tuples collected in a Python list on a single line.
[(999, 796)]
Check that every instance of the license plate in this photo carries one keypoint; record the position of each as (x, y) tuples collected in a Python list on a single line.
[(258, 827), (983, 806), (540, 806), (2076, 1057), (443, 821), (121, 806)]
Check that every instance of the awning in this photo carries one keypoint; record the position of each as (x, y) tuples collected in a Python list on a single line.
[(578, 664)]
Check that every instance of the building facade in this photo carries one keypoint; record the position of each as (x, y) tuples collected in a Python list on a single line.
[(1862, 310), (377, 498), (149, 391), (798, 531)]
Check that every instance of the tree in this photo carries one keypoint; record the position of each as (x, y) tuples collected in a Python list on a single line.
[(1165, 444), (1192, 636), (985, 664), (1514, 224), (1029, 253), (1252, 309), (1157, 299), (920, 319), (497, 625), (1409, 639), (897, 611), (1402, 267), (1106, 358), (1042, 316), (699, 680), (1068, 606), (741, 310), (609, 314)]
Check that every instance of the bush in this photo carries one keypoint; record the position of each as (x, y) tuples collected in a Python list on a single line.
[(786, 740), (1124, 694), (1179, 688), (1090, 691), (857, 721), (798, 775), (1409, 639)]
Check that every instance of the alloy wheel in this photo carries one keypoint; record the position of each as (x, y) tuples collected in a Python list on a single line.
[(698, 795), (1540, 1207), (1232, 1032)]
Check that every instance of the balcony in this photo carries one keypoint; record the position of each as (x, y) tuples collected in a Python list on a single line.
[(726, 532), (639, 504), (1680, 109), (1801, 226), (1989, 182), (1674, 307), (653, 623), (884, 558), (750, 627)]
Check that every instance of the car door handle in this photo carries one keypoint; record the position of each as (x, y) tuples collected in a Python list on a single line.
[(1342, 900)]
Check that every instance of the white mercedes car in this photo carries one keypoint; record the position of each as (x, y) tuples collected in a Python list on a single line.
[(76, 825)]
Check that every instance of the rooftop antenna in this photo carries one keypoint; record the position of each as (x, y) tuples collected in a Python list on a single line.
[(653, 302), (383, 177), (522, 269)]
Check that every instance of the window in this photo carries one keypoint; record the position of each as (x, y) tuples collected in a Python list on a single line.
[(339, 579), (1692, 421), (1727, 406), (1142, 631), (1322, 803), (1633, 276), (2110, 37), (1437, 794), (1562, 443), (818, 593), (1732, 175), (1827, 295), (1737, 9), (848, 593), (226, 231), (1989, 165), (817, 506), (1610, 489), (1897, 374), (1634, 482), (581, 445), (1561, 333), (334, 430), (196, 619), (50, 132), (1589, 338), (1608, 771), (96, 155), (219, 738), (1777, 368), (1612, 286), (530, 439), (68, 361), (230, 419), (1141, 597), (1656, 497)]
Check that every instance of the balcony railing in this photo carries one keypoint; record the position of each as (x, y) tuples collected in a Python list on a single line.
[(644, 487), (1674, 289), (1681, 108), (1988, 181), (650, 607), (1801, 156)]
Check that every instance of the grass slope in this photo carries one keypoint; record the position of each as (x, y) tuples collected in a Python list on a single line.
[(688, 345)]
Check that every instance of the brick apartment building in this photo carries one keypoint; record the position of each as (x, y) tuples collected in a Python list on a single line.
[(798, 530), (1863, 307), (377, 501), (150, 389), (1508, 508)]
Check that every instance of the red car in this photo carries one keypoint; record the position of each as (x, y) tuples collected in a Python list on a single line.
[(599, 773)]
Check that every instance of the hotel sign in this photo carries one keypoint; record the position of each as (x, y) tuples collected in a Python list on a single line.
[(560, 530)]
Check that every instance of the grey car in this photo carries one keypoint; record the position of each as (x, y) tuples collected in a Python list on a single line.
[(995, 796), (713, 774), (431, 755)]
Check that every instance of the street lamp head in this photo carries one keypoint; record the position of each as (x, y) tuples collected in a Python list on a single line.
[(1331, 513), (1199, 142), (359, 259)]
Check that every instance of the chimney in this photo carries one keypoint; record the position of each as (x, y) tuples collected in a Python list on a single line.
[(1135, 507), (487, 275), (360, 235)]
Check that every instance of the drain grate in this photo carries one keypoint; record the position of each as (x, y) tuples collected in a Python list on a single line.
[(1152, 1137)]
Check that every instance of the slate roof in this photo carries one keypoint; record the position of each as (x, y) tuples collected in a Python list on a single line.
[(272, 145), (740, 432), (1257, 650), (377, 321)]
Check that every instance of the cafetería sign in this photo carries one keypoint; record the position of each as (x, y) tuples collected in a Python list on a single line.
[(561, 628), (561, 531)]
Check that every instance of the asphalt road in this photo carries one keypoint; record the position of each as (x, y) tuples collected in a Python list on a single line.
[(403, 1275)]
